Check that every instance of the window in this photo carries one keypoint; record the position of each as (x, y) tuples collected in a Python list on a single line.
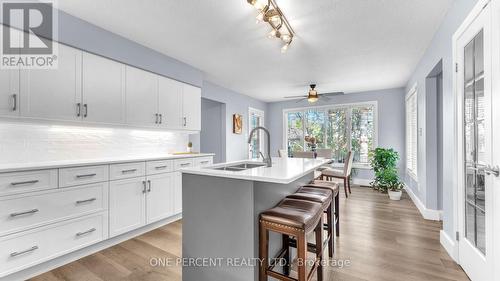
[(255, 119), (411, 133), (339, 127)]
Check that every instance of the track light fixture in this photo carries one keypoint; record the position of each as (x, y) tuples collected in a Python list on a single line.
[(270, 13)]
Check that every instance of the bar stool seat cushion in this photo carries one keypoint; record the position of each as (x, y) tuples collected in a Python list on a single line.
[(331, 185), (319, 195), (294, 213)]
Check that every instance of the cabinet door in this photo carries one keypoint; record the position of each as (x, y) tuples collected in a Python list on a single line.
[(9, 92), (103, 90), (191, 106), (126, 205), (141, 97), (53, 94), (170, 103), (177, 192), (160, 197)]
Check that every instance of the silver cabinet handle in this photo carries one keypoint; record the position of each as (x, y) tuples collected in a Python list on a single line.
[(86, 201), (185, 164), (24, 213), (128, 171), (161, 118), (85, 106), (24, 182), (85, 232), (149, 184), (490, 170), (78, 109), (144, 184), (160, 167), (14, 104), (156, 118), (86, 176), (185, 121), (204, 162), (15, 254)]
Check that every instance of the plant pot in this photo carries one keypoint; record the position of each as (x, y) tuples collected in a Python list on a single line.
[(395, 195), (189, 149)]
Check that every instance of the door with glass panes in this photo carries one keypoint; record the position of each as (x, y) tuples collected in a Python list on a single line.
[(476, 175)]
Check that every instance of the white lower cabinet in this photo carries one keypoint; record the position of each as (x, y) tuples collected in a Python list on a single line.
[(160, 197), (28, 248), (127, 205)]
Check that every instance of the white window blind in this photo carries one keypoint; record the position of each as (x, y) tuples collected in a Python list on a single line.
[(412, 133)]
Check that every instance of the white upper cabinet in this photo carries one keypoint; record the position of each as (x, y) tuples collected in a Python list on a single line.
[(141, 97), (9, 92), (103, 90), (191, 106), (56, 93), (170, 103)]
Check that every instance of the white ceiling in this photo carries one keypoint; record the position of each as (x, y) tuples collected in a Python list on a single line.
[(342, 45)]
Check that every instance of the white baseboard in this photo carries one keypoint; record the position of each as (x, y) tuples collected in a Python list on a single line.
[(428, 214), (363, 182), (78, 254), (449, 245)]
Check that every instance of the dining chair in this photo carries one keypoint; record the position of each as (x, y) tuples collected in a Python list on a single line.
[(282, 153), (303, 154), (344, 175)]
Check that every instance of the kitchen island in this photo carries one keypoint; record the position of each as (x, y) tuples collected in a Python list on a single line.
[(221, 207)]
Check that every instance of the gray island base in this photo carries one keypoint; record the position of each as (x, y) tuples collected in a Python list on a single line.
[(220, 221)]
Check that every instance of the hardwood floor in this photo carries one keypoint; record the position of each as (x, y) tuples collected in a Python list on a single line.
[(382, 239)]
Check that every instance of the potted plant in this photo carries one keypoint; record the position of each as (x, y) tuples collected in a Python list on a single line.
[(190, 147), (384, 164)]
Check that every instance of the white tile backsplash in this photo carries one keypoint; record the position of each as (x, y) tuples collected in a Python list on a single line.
[(28, 143)]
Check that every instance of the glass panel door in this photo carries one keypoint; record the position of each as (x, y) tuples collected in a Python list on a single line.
[(474, 143)]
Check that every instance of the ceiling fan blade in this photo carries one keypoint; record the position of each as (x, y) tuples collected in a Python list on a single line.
[(294, 97), (332, 94)]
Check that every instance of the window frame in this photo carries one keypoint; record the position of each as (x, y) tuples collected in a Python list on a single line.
[(348, 106), (412, 172)]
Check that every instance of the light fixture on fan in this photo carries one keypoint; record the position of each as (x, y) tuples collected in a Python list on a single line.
[(313, 95), (271, 14)]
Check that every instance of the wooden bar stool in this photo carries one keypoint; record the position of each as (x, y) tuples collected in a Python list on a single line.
[(324, 197), (296, 218), (334, 187)]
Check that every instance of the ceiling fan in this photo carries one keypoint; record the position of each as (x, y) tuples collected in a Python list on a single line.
[(313, 96)]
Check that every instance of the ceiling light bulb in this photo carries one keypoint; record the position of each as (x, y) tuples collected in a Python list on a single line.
[(284, 48), (260, 17), (312, 99), (286, 38), (257, 4)]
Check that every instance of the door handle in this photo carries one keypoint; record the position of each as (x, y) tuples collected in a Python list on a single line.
[(23, 182), (78, 109), (144, 184), (185, 121), (161, 118), (85, 201), (14, 105), (85, 106), (129, 171), (149, 185), (85, 232), (156, 118), (85, 176), (492, 170)]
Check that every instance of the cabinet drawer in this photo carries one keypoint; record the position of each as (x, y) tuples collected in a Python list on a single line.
[(127, 170), (23, 212), (26, 249), (203, 161), (183, 163), (158, 167), (83, 175), (20, 182)]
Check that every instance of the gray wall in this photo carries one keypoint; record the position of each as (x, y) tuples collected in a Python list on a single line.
[(391, 119), (236, 145), (440, 48), (213, 123)]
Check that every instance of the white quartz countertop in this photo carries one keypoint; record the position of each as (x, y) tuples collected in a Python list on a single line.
[(284, 170), (52, 164)]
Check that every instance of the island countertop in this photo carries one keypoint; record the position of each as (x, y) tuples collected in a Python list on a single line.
[(284, 170)]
